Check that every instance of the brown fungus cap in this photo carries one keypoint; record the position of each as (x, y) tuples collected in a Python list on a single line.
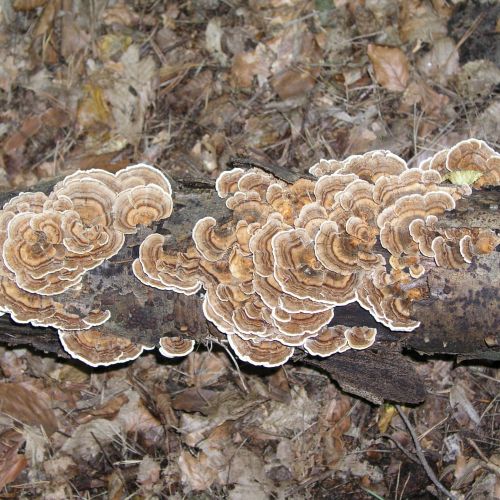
[(311, 217), (49, 242), (325, 167), (389, 189), (437, 162), (266, 353), (260, 244), (343, 253), (300, 273), (374, 165), (395, 220), (174, 347), (360, 337), (471, 154), (141, 205), (143, 175), (212, 242), (175, 272), (357, 199), (448, 253), (97, 347), (327, 342), (328, 187), (227, 182), (255, 180), (423, 233), (26, 202)]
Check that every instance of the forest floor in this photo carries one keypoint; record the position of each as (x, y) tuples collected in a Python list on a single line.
[(185, 86)]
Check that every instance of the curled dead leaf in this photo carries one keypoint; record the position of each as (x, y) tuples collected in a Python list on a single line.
[(390, 65)]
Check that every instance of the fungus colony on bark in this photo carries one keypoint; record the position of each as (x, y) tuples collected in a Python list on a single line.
[(366, 229), (49, 242)]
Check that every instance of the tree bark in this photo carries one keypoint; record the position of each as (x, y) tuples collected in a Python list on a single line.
[(461, 315)]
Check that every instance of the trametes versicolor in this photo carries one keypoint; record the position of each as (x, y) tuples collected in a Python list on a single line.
[(366, 229)]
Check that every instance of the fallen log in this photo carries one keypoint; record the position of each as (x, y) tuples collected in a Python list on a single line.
[(459, 315)]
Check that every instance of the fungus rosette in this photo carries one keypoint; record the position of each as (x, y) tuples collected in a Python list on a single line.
[(49, 242), (363, 231)]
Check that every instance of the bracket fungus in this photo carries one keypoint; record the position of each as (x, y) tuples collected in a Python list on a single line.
[(272, 272), (50, 241), (366, 230)]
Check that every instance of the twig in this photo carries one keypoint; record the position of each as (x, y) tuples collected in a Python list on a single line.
[(487, 463), (421, 456), (401, 448), (230, 354)]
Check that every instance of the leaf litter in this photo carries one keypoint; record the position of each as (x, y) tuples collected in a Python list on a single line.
[(185, 86)]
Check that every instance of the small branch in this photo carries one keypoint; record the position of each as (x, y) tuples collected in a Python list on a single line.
[(401, 448), (421, 456)]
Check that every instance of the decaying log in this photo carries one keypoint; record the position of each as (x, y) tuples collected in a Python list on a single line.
[(461, 315)]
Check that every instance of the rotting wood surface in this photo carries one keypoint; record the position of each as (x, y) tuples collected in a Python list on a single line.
[(461, 315)]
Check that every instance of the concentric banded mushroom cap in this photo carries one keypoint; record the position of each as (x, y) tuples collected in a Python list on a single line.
[(211, 241), (266, 353), (327, 342), (143, 175), (360, 337), (141, 205), (174, 347), (97, 347), (374, 165)]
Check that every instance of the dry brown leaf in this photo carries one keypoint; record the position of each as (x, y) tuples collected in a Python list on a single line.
[(194, 399), (11, 462), (390, 65), (108, 410), (164, 408), (418, 20), (206, 368), (8, 72), (441, 62), (429, 101), (120, 14), (27, 406), (196, 472), (247, 65), (149, 472), (24, 5), (89, 439)]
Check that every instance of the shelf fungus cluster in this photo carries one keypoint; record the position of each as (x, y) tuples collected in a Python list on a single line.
[(49, 242), (366, 229)]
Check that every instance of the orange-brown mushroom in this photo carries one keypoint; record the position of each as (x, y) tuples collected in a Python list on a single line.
[(142, 175), (227, 182), (300, 273), (374, 165), (141, 205), (266, 353), (395, 220), (327, 342), (325, 167), (97, 347), (328, 187), (211, 241), (360, 337), (175, 347)]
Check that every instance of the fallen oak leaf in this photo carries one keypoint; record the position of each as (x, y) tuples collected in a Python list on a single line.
[(390, 65)]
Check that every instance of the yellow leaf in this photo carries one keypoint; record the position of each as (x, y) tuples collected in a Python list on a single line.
[(388, 411), (461, 177)]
